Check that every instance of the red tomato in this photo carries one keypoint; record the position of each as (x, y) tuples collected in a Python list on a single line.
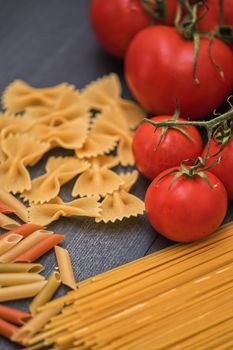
[(159, 68), (151, 158), (115, 22), (210, 21), (189, 210), (224, 170)]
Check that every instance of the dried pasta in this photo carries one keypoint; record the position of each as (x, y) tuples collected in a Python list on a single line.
[(13, 202), (103, 91), (65, 267), (24, 245), (46, 213), (46, 293), (40, 248), (9, 242), (14, 315), (121, 204), (7, 329), (97, 144), (8, 223), (112, 122), (4, 208), (180, 297), (35, 324), (67, 108), (23, 230), (68, 135), (20, 267), (19, 95), (21, 151), (22, 291), (58, 171), (15, 279), (132, 113), (98, 179)]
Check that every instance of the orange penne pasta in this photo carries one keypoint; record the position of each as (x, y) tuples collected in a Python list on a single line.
[(24, 230), (14, 315), (7, 330), (4, 208), (40, 248)]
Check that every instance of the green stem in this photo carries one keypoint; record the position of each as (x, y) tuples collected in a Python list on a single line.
[(207, 124)]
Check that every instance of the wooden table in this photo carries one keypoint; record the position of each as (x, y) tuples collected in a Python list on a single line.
[(46, 42)]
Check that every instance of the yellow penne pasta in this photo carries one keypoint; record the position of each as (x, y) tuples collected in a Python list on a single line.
[(20, 267), (8, 242), (24, 245), (35, 324), (15, 279), (13, 202), (46, 293), (22, 291), (8, 223), (65, 267)]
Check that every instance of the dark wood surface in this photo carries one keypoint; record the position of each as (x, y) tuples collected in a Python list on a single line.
[(47, 42)]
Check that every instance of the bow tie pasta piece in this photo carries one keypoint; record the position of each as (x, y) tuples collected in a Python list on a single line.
[(46, 213), (98, 179), (68, 135), (120, 204), (21, 151), (59, 171), (103, 91), (97, 144), (132, 113), (19, 95), (68, 107), (112, 122)]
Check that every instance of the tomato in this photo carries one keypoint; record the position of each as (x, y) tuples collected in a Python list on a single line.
[(159, 67), (210, 21), (115, 22), (152, 158), (223, 170), (187, 211)]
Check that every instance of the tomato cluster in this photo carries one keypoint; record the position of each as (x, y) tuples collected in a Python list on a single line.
[(191, 63)]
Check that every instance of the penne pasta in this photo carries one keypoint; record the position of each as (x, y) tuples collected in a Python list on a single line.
[(22, 291), (20, 267), (24, 230), (40, 248), (35, 324), (15, 279), (14, 315), (9, 242), (8, 223), (24, 245), (46, 293), (65, 267), (11, 201), (4, 208), (7, 330)]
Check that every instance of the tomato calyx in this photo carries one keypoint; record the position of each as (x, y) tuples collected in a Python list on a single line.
[(155, 8), (198, 169), (178, 128)]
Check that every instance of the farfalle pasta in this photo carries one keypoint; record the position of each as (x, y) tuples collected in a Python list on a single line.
[(98, 179), (21, 151), (112, 122), (19, 95), (68, 135), (103, 91), (44, 214), (121, 204), (58, 171), (97, 144), (68, 107)]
